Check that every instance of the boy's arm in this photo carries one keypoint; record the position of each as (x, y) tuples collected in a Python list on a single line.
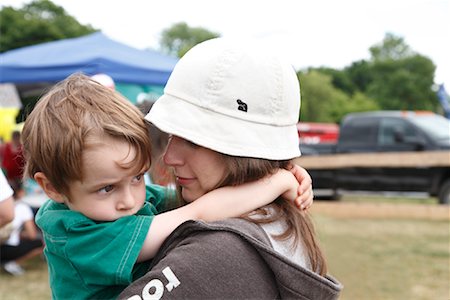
[(222, 203)]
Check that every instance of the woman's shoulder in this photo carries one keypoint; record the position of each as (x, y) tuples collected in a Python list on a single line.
[(208, 237), (198, 256), (250, 247), (241, 227), (233, 231), (196, 259)]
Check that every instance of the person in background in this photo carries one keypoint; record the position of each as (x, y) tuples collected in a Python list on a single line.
[(100, 212), (13, 161), (2, 151), (24, 241), (231, 112), (6, 201), (158, 173)]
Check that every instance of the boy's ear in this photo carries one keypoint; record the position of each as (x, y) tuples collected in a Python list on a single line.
[(48, 187)]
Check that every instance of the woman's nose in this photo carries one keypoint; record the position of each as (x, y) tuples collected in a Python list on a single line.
[(172, 155)]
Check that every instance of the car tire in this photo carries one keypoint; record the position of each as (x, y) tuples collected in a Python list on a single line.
[(444, 193)]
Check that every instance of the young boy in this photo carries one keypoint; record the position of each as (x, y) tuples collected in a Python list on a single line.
[(88, 148)]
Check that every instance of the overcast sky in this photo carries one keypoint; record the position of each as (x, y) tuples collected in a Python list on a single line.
[(309, 33)]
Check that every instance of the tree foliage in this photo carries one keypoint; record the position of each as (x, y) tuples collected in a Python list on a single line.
[(37, 22), (339, 78), (401, 78), (359, 73), (391, 48), (323, 102), (404, 84), (394, 78), (179, 38)]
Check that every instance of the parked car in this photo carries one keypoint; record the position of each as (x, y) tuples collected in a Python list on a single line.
[(317, 133), (389, 151)]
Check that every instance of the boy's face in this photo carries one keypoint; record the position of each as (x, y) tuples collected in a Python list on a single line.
[(108, 191)]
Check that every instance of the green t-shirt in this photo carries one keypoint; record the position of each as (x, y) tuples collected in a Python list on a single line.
[(95, 260)]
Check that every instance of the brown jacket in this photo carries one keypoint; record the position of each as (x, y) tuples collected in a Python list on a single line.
[(232, 259)]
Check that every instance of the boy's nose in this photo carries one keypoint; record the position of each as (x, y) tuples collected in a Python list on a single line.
[(127, 201)]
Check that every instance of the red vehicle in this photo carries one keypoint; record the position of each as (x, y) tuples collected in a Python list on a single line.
[(318, 133)]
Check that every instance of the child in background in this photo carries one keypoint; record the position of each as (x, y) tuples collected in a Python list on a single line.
[(6, 205), (24, 241), (88, 148)]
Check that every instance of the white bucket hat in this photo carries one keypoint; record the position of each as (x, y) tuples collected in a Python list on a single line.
[(234, 99)]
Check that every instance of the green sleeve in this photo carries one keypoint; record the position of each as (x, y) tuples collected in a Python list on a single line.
[(105, 253), (162, 198)]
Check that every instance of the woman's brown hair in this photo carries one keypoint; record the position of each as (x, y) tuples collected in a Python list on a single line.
[(299, 224)]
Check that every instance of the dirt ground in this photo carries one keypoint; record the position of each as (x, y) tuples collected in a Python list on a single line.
[(381, 210)]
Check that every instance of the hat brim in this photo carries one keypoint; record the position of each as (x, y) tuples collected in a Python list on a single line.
[(223, 133)]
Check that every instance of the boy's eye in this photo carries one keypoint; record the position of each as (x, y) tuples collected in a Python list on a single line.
[(138, 178), (106, 189)]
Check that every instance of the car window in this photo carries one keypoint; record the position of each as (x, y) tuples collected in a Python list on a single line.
[(390, 128), (359, 131), (435, 126)]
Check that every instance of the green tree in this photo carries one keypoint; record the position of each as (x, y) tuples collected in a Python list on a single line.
[(401, 78), (37, 22), (360, 74), (404, 84), (179, 38), (323, 102), (339, 78), (318, 97), (391, 48)]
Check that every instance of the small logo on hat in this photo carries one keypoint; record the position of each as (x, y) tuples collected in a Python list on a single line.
[(241, 105)]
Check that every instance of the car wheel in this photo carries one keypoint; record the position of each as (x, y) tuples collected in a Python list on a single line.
[(444, 193)]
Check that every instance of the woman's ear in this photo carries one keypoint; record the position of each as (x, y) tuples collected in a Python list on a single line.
[(48, 188)]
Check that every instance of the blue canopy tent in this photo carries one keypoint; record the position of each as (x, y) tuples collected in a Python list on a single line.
[(130, 68)]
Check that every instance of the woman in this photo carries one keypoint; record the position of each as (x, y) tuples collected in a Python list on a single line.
[(231, 111)]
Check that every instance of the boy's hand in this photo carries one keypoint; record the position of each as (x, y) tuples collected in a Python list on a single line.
[(292, 185), (305, 191)]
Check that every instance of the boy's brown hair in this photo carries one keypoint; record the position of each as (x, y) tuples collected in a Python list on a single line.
[(68, 117)]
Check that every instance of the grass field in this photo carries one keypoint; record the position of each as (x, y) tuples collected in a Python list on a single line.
[(375, 256)]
